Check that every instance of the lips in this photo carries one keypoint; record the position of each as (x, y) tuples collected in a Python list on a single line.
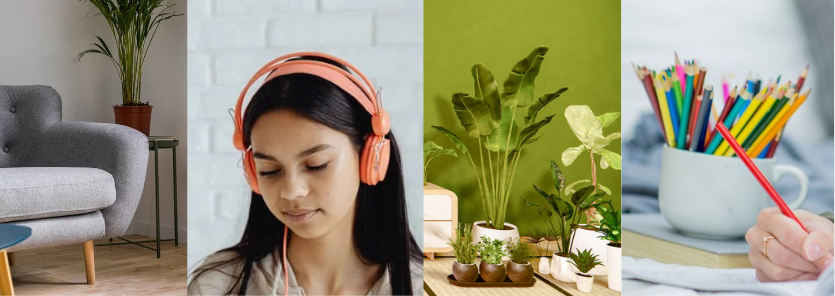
[(301, 215)]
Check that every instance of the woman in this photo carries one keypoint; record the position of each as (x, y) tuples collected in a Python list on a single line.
[(328, 210)]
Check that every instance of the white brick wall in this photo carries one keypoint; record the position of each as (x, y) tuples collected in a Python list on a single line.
[(228, 40)]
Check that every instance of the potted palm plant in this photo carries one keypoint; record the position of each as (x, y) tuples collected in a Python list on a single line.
[(133, 24), (584, 261), (568, 213), (492, 270), (430, 151), (536, 235), (519, 270), (610, 228), (464, 268), (490, 116)]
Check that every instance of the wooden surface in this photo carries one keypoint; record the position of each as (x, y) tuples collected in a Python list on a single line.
[(120, 270), (6, 287), (435, 274), (89, 262)]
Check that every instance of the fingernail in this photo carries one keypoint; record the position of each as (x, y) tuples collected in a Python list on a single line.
[(813, 252)]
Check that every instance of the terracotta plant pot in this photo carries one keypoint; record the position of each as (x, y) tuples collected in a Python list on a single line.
[(137, 117), (492, 273), (584, 282), (519, 272), (464, 272)]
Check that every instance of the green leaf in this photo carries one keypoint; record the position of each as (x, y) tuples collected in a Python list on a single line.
[(612, 158), (586, 203), (511, 155), (519, 86), (583, 123), (452, 137), (570, 188), (531, 130), (542, 210), (540, 103), (541, 192), (570, 154), (498, 139), (531, 140), (487, 89), (581, 194), (604, 188), (473, 114), (608, 118), (557, 177)]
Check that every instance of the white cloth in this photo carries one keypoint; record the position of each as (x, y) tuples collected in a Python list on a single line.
[(218, 281), (649, 277)]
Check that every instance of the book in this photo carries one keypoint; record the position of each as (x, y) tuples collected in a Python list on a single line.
[(650, 236)]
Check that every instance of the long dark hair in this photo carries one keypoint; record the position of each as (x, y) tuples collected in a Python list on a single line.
[(381, 227)]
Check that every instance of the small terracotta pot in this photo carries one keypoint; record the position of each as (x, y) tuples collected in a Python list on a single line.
[(492, 273), (464, 272), (519, 272), (137, 117)]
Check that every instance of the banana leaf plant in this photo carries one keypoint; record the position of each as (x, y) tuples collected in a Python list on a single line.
[(430, 151), (589, 130), (134, 24), (490, 116), (568, 211)]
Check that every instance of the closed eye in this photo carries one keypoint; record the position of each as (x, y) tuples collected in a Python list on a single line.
[(268, 173), (317, 168)]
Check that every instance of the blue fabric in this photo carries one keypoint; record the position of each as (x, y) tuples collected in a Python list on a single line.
[(642, 166)]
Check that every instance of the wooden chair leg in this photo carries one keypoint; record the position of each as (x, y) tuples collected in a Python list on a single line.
[(5, 275), (12, 260), (89, 263), (430, 255)]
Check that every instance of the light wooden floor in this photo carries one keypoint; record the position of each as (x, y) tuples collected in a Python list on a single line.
[(120, 270)]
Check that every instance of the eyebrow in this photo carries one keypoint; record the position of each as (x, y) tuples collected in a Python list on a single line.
[(307, 152)]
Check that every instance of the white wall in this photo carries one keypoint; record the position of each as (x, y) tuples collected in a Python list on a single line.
[(727, 37), (229, 40), (40, 40)]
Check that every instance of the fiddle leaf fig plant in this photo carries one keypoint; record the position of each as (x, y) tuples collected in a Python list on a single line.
[(567, 211), (588, 128), (490, 116), (430, 151)]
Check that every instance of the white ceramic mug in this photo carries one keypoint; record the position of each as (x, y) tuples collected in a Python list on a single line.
[(717, 197)]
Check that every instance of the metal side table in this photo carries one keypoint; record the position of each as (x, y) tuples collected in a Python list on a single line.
[(155, 143)]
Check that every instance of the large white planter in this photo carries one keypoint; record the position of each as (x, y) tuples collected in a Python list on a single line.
[(613, 264), (502, 235), (587, 239), (561, 270), (584, 283)]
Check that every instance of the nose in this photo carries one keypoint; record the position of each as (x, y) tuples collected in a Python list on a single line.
[(293, 186)]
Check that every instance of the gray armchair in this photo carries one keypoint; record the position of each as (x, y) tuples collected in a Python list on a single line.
[(71, 182)]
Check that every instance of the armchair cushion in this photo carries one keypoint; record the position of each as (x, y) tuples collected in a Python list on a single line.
[(44, 192)]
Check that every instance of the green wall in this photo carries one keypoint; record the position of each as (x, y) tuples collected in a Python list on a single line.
[(584, 55)]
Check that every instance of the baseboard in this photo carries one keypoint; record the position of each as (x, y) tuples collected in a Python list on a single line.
[(149, 229)]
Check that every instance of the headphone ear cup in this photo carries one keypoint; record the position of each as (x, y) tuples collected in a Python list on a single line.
[(373, 165), (249, 172)]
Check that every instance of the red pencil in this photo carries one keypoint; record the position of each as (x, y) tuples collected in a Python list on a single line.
[(759, 175)]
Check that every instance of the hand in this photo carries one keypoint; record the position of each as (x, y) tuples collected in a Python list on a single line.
[(793, 254)]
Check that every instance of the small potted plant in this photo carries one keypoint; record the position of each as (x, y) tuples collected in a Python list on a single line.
[(492, 270), (569, 211), (519, 270), (584, 261), (610, 227), (430, 151), (464, 268), (535, 236)]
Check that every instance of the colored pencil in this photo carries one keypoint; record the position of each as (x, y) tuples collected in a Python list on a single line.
[(753, 122), (684, 123), (802, 78), (729, 103), (671, 101), (653, 100), (740, 124), (759, 175), (790, 94), (679, 70), (664, 108), (702, 116), (715, 141), (770, 134)]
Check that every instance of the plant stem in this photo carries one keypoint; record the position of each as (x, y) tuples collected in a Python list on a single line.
[(504, 168), (486, 200)]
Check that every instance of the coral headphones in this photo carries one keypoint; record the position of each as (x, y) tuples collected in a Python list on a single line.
[(374, 159)]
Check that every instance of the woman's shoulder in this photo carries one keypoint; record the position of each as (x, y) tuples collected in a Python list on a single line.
[(417, 277), (216, 274)]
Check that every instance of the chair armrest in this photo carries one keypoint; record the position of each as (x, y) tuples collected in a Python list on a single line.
[(116, 149)]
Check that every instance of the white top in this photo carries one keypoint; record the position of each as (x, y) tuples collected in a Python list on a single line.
[(264, 282)]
